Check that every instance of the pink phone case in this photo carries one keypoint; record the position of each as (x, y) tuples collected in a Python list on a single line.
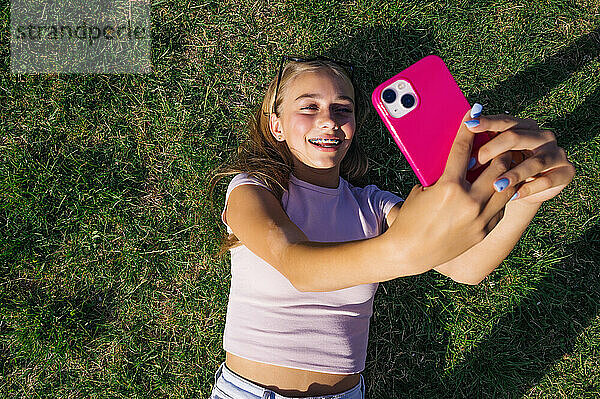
[(425, 135)]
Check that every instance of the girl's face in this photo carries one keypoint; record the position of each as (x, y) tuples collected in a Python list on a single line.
[(317, 105)]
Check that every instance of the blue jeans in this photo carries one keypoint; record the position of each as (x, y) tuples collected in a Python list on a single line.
[(229, 385)]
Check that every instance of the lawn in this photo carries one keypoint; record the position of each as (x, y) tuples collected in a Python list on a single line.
[(108, 282)]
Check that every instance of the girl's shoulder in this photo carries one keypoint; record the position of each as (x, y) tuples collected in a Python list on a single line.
[(379, 199), (238, 180), (247, 178), (367, 190)]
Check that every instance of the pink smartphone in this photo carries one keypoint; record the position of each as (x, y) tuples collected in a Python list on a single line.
[(423, 107)]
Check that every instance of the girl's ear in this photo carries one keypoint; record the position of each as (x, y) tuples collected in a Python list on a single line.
[(275, 127)]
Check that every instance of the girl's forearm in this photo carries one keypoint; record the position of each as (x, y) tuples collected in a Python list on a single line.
[(475, 264), (330, 266)]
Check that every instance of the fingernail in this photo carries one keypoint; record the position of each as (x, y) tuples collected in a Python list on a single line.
[(472, 123), (515, 195), (476, 110), (472, 163), (501, 184)]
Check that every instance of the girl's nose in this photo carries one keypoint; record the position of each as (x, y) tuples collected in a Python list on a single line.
[(327, 121)]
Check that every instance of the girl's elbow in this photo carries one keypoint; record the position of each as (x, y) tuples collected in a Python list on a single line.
[(475, 282), (469, 280)]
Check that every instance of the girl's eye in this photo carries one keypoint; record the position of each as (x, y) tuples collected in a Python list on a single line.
[(314, 107)]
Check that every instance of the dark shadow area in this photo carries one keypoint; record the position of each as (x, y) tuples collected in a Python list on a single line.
[(52, 177), (540, 331), (541, 77), (407, 339), (64, 321), (540, 334)]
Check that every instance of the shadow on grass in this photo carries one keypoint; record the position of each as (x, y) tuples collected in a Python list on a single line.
[(408, 342), (542, 330), (64, 322), (61, 186), (48, 307)]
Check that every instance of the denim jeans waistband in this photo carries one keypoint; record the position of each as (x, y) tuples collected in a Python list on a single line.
[(230, 382)]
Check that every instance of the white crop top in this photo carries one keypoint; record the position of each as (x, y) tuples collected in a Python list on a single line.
[(270, 321)]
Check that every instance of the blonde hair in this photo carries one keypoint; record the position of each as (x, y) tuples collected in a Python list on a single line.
[(271, 161)]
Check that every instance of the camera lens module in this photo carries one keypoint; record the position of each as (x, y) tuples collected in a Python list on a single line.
[(398, 97), (389, 96), (407, 100)]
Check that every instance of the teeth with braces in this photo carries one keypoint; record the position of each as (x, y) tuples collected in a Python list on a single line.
[(325, 141)]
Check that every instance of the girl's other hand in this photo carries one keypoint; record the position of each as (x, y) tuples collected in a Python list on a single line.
[(544, 169)]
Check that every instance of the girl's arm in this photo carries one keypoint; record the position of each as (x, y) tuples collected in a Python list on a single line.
[(260, 223), (475, 264)]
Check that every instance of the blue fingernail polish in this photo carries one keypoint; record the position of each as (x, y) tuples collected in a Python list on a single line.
[(515, 195), (476, 110), (472, 162), (472, 123), (501, 184)]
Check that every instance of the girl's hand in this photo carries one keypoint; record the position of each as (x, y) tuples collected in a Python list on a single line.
[(438, 223), (544, 170)]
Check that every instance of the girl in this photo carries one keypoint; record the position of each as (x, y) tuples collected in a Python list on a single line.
[(308, 249)]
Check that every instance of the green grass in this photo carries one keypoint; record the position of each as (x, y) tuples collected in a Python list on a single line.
[(107, 285)]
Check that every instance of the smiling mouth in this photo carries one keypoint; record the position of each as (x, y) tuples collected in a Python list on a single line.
[(325, 143)]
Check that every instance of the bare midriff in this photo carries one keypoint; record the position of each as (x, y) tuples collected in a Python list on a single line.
[(289, 381)]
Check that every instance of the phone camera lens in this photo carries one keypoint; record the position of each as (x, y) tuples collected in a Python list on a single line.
[(389, 96), (407, 100)]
